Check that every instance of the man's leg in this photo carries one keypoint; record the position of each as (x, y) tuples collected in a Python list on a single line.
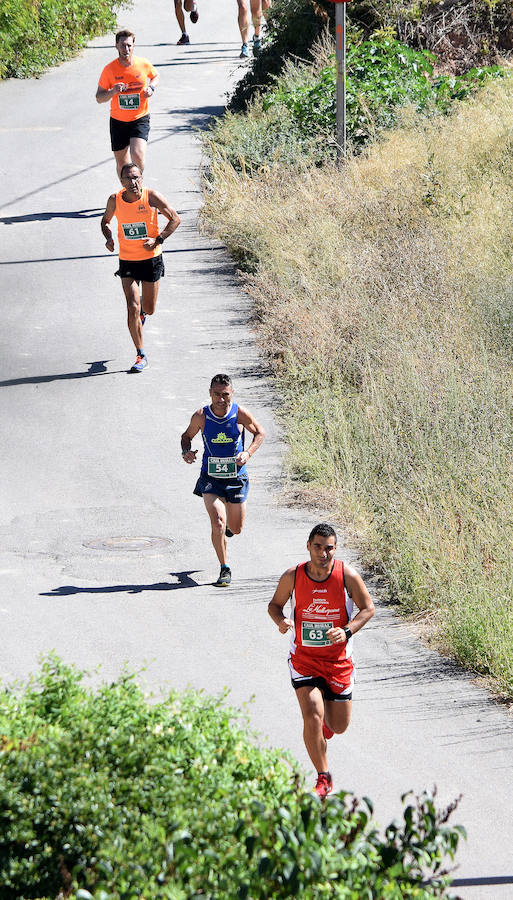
[(311, 702), (243, 19), (180, 16), (150, 292), (192, 7), (122, 158), (217, 512), (236, 513), (256, 15), (133, 302), (138, 152), (337, 714)]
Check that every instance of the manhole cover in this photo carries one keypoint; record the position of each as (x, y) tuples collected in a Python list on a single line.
[(133, 544)]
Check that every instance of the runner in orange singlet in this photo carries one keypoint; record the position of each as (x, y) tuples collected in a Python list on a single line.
[(140, 248), (128, 82), (322, 592)]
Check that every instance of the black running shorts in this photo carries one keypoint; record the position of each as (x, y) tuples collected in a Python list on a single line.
[(121, 132), (142, 269)]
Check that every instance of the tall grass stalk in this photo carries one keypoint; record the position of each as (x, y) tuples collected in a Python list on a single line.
[(384, 298)]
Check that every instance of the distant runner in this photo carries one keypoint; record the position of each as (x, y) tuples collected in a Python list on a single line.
[(128, 82), (191, 7), (322, 592), (140, 248), (257, 7), (223, 481)]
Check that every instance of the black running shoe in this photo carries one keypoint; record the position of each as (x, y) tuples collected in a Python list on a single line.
[(194, 15), (225, 576), (228, 532)]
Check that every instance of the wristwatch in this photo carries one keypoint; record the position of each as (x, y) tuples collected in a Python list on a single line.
[(348, 633), (159, 239)]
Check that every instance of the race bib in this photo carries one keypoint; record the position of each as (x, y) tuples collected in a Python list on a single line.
[(134, 231), (222, 466), (313, 634), (129, 101)]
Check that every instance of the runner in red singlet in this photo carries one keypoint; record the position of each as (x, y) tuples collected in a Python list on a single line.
[(322, 592)]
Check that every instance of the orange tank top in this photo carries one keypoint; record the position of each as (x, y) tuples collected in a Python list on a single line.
[(136, 222), (316, 607)]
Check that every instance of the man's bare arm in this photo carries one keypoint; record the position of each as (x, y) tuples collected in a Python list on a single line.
[(159, 202), (245, 418), (104, 224), (103, 95), (281, 596), (196, 424)]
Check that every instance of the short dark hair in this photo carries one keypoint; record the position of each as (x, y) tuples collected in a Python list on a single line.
[(124, 33), (126, 167), (323, 530), (221, 379)]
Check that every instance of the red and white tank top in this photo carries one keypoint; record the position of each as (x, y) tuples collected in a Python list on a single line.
[(318, 606)]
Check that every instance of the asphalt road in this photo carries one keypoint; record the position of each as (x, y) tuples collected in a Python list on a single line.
[(92, 467)]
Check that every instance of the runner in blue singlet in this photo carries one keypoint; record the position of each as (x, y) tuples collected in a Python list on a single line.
[(223, 481)]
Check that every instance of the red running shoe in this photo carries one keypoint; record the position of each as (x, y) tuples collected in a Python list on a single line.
[(324, 784), (327, 732)]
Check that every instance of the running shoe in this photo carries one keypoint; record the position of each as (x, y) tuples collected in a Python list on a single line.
[(327, 732), (257, 46), (143, 317), (194, 14), (244, 52), (225, 576), (324, 785), (228, 532), (140, 363), (185, 39)]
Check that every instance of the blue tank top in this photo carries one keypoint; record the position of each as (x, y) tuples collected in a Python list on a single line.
[(221, 437)]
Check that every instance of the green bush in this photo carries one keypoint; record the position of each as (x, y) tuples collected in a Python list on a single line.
[(35, 34), (383, 76), (294, 121), (106, 795)]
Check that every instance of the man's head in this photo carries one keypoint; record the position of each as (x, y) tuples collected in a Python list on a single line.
[(322, 545), (125, 41), (323, 530), (221, 393), (131, 179)]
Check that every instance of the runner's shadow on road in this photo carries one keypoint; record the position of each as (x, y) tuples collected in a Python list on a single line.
[(46, 216), (184, 581), (475, 882), (95, 368)]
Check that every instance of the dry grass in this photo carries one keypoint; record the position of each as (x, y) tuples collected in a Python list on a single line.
[(384, 296)]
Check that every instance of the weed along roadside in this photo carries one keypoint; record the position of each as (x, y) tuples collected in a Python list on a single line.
[(382, 298)]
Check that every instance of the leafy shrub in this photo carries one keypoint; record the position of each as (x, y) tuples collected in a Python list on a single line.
[(35, 34), (294, 121), (112, 797), (382, 76)]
